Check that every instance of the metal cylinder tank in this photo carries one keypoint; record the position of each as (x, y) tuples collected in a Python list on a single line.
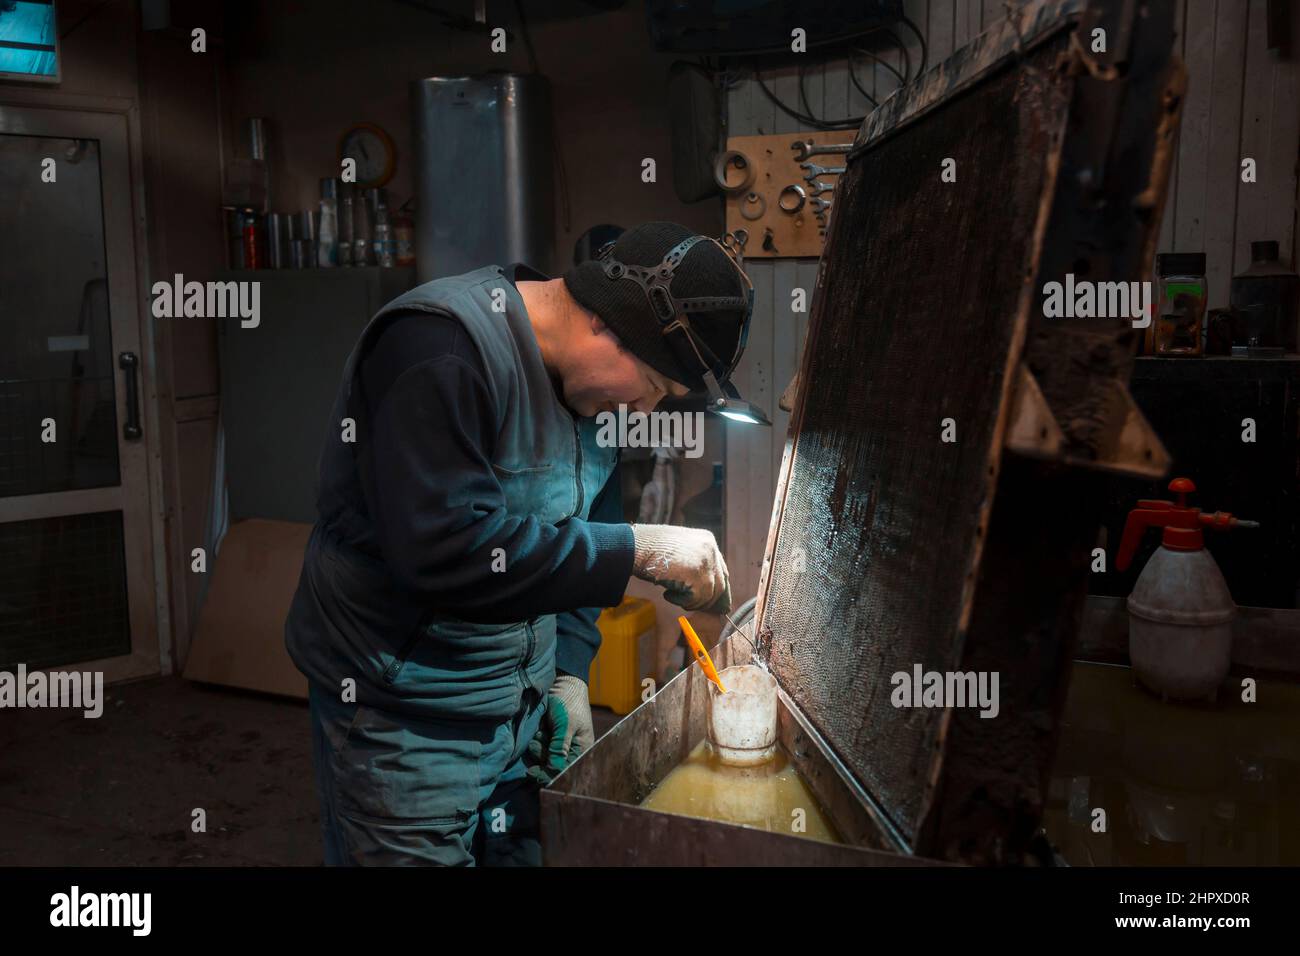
[(483, 155)]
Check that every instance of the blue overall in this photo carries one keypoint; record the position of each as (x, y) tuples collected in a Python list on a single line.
[(421, 719)]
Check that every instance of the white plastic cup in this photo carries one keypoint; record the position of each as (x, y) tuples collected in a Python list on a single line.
[(742, 722)]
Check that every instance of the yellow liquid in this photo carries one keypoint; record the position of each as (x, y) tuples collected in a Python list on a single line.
[(766, 796)]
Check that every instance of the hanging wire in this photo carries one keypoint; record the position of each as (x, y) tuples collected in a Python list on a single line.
[(804, 114), (888, 66), (846, 123), (907, 57), (853, 75)]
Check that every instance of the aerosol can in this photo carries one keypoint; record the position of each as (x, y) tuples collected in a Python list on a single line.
[(1180, 611)]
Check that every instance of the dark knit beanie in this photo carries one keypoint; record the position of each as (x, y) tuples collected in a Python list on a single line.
[(705, 270)]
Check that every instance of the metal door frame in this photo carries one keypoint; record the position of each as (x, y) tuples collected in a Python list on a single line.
[(114, 122)]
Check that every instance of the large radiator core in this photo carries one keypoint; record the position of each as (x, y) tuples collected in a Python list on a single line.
[(901, 537), (917, 334)]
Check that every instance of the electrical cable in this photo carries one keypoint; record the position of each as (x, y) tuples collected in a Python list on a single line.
[(805, 113), (803, 94), (846, 123), (907, 57), (853, 75), (888, 66)]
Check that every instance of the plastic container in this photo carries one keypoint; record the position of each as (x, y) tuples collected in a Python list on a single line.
[(626, 656), (742, 722), (1180, 625)]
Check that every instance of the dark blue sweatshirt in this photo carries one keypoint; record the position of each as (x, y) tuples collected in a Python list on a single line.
[(422, 367)]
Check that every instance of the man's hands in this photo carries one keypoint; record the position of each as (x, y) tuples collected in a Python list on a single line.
[(566, 730), (686, 563)]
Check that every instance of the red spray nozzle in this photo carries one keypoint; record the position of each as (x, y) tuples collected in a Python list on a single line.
[(1182, 524)]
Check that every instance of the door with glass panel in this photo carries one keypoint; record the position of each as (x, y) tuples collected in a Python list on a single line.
[(76, 540)]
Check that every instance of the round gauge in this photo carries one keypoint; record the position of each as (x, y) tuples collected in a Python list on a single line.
[(374, 152)]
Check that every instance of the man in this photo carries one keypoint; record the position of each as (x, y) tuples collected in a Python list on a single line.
[(470, 529)]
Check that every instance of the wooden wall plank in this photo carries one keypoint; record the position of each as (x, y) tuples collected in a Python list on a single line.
[(814, 84), (1257, 121), (835, 93), (1198, 51), (1279, 175), (1167, 224), (887, 55), (858, 104), (992, 12), (1222, 149), (784, 83), (964, 30), (785, 355), (918, 11), (942, 29)]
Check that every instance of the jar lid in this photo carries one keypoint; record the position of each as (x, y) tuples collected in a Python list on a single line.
[(1180, 264)]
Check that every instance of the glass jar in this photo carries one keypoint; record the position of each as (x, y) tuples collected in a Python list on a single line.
[(1180, 317)]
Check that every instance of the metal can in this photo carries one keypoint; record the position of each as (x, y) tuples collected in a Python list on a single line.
[(252, 244), (276, 241)]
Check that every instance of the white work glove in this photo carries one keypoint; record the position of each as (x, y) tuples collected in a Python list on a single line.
[(686, 563), (572, 693)]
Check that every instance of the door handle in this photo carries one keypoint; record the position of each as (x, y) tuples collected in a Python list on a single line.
[(129, 363)]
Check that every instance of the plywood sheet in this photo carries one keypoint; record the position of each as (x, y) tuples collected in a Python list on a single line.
[(788, 234), (240, 637)]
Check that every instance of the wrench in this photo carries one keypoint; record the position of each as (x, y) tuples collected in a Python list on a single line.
[(820, 204), (805, 147), (816, 188), (812, 170)]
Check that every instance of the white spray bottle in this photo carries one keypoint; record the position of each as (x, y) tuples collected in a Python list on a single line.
[(1180, 611)]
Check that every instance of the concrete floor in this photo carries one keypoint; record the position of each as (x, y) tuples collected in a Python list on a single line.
[(121, 790)]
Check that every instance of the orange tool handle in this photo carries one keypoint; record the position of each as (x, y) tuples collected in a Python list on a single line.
[(701, 655)]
